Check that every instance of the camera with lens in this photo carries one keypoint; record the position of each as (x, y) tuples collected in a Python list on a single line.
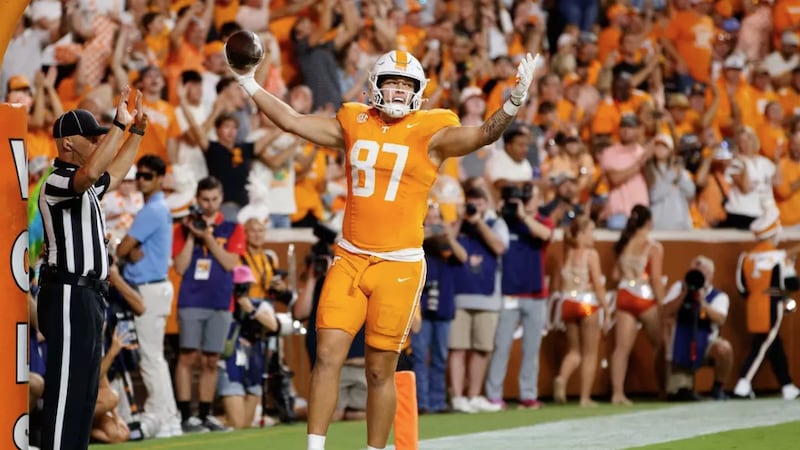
[(695, 282), (523, 193), (321, 253), (196, 217), (690, 150), (285, 296)]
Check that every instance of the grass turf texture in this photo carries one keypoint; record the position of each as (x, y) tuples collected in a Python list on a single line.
[(776, 437), (353, 435)]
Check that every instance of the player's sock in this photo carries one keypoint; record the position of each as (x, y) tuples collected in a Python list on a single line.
[(316, 442)]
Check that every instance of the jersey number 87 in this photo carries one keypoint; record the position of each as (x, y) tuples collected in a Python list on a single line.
[(363, 169)]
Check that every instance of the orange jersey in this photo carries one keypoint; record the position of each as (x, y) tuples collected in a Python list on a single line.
[(763, 268), (389, 175)]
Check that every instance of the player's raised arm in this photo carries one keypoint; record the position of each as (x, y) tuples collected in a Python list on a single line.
[(323, 131), (459, 141)]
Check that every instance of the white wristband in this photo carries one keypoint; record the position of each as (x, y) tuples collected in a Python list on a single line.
[(510, 108), (249, 84)]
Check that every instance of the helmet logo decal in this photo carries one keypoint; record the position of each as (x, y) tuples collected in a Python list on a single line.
[(400, 60)]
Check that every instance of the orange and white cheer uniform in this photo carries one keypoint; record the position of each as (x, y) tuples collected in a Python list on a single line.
[(634, 292), (579, 300)]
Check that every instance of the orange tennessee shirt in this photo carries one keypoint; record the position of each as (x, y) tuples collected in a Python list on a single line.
[(389, 175), (162, 124), (788, 200), (692, 35)]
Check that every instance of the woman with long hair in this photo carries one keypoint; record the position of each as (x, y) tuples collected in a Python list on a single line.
[(583, 293), (639, 295)]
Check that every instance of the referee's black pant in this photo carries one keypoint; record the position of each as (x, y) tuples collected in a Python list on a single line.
[(768, 345), (71, 320)]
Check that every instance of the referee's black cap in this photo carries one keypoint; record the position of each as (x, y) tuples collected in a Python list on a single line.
[(78, 122)]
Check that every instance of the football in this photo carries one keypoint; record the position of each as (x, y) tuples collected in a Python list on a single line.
[(244, 50)]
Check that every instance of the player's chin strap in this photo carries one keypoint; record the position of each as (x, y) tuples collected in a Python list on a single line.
[(247, 81)]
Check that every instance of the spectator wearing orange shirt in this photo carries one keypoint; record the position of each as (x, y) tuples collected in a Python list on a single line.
[(771, 133), (789, 97), (762, 90), (787, 188), (687, 39), (609, 39), (163, 130), (786, 17), (737, 104), (186, 42), (783, 60)]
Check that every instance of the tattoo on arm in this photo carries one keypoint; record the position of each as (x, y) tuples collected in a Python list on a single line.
[(494, 126)]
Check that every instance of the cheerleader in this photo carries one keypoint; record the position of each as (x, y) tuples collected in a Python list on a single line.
[(639, 296), (583, 293)]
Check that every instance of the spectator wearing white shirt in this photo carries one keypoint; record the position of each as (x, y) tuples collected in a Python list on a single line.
[(780, 63), (120, 207), (511, 164), (753, 177)]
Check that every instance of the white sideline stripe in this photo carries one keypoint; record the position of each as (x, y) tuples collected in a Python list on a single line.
[(63, 388), (628, 430)]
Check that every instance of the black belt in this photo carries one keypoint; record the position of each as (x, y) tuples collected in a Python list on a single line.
[(150, 282), (48, 276)]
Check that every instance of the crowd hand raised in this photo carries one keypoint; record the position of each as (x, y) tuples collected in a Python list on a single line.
[(529, 67)]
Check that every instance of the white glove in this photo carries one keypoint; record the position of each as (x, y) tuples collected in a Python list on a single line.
[(247, 80), (528, 67)]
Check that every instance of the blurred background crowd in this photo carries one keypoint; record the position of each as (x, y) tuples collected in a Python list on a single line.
[(689, 107)]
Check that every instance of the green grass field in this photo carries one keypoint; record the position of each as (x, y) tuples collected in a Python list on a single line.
[(352, 435), (778, 437)]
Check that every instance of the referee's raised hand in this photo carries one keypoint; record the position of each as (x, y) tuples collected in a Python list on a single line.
[(123, 116)]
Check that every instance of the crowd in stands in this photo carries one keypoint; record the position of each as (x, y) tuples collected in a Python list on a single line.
[(688, 108)]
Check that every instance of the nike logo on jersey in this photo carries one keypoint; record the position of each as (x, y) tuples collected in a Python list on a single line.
[(403, 280), (412, 125)]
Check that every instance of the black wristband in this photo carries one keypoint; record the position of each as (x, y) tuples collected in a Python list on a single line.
[(135, 130), (119, 124)]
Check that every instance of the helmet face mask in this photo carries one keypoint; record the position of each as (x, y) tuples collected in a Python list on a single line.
[(393, 65)]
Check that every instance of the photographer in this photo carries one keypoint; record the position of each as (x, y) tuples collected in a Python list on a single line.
[(524, 293), (443, 256), (205, 251), (241, 372), (699, 310), (352, 398), (564, 208), (485, 238)]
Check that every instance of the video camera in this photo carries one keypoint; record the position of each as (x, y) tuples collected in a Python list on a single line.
[(196, 217), (320, 255), (509, 192)]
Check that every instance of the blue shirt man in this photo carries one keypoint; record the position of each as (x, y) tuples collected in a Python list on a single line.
[(145, 250)]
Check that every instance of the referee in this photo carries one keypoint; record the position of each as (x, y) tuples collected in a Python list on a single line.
[(74, 286)]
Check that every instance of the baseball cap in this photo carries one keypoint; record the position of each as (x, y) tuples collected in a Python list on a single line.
[(722, 153), (587, 37), (212, 48), (78, 122), (665, 139), (18, 82), (731, 25), (789, 38), (469, 92), (677, 101), (629, 120), (735, 61), (698, 89)]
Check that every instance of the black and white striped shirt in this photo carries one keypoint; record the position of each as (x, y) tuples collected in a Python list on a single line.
[(74, 229)]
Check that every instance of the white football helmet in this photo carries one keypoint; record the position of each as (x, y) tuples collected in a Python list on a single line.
[(397, 63)]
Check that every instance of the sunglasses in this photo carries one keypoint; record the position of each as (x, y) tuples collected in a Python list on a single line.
[(147, 176)]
